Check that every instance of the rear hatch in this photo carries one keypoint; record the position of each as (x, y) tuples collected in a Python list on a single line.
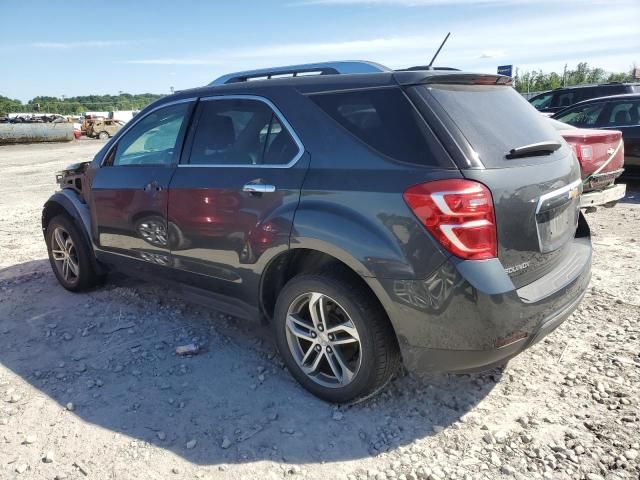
[(600, 153), (497, 138)]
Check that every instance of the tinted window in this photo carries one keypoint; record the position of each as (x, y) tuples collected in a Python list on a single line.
[(153, 139), (542, 101), (560, 126), (493, 119), (624, 114), (564, 99), (383, 119), (240, 132), (584, 116)]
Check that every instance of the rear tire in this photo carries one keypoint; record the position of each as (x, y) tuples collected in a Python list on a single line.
[(353, 337), (70, 255), (103, 135)]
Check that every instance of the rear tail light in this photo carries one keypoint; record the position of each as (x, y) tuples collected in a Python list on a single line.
[(459, 214), (583, 152)]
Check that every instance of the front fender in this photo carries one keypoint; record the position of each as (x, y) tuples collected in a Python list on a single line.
[(68, 201)]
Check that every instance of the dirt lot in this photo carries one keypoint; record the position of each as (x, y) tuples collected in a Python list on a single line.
[(90, 386)]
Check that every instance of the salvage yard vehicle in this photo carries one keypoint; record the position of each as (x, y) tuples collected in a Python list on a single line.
[(601, 157), (103, 128), (371, 216), (617, 112), (560, 98)]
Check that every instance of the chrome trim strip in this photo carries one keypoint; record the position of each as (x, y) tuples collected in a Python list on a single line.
[(282, 120), (133, 122), (557, 193)]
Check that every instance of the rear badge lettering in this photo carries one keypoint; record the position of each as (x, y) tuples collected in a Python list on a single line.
[(516, 268)]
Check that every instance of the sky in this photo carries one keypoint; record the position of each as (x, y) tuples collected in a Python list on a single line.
[(60, 48)]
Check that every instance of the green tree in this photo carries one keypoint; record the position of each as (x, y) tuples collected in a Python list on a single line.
[(537, 80)]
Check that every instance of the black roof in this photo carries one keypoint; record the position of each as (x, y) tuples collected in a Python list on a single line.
[(325, 83), (595, 85)]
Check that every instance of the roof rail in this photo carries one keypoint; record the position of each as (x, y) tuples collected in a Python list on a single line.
[(324, 68)]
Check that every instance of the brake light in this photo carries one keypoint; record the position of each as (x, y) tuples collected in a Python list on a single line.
[(583, 152), (459, 214)]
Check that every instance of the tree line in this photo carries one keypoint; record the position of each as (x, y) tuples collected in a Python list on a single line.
[(79, 104), (538, 81), (527, 81)]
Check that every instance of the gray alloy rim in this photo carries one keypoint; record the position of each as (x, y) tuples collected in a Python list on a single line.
[(64, 255), (323, 340)]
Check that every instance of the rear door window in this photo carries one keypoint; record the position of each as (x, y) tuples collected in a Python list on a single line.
[(493, 119), (564, 99), (583, 116), (240, 132), (385, 120)]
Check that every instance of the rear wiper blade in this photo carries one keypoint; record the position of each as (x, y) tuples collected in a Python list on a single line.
[(541, 148)]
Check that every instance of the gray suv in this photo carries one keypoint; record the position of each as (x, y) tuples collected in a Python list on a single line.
[(371, 216)]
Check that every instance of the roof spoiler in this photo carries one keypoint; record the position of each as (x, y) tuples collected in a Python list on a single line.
[(455, 78)]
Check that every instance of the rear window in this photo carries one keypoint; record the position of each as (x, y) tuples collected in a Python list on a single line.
[(385, 120), (493, 119)]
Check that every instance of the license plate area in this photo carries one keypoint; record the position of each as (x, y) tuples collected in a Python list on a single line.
[(557, 217)]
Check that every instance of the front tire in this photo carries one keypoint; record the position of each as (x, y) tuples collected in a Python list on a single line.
[(334, 337), (69, 255), (103, 135)]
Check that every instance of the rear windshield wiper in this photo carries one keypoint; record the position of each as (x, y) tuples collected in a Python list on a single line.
[(535, 149)]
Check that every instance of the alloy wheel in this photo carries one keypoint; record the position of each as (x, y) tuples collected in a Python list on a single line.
[(65, 255), (323, 340)]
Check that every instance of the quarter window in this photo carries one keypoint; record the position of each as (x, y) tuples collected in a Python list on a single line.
[(153, 140), (240, 132), (384, 120), (624, 114)]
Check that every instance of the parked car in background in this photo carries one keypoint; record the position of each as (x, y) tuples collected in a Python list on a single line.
[(601, 157), (618, 112), (371, 216), (555, 100), (103, 128)]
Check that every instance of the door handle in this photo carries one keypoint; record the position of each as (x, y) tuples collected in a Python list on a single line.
[(258, 188), (152, 186)]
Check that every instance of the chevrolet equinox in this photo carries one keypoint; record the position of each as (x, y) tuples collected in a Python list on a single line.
[(371, 216)]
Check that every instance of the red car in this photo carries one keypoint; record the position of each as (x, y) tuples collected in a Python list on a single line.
[(601, 157)]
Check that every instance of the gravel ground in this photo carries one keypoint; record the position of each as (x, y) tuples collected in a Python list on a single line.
[(91, 387)]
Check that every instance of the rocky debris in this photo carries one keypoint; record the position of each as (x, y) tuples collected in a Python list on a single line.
[(226, 443), (190, 349)]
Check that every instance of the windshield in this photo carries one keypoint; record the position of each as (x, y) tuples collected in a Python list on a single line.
[(542, 101)]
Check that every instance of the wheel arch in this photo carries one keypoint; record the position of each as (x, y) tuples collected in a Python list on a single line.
[(301, 259), (67, 202)]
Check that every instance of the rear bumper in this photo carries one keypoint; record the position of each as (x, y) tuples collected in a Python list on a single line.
[(469, 317), (425, 360), (602, 197)]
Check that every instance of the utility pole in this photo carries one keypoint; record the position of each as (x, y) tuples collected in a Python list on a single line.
[(564, 76)]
